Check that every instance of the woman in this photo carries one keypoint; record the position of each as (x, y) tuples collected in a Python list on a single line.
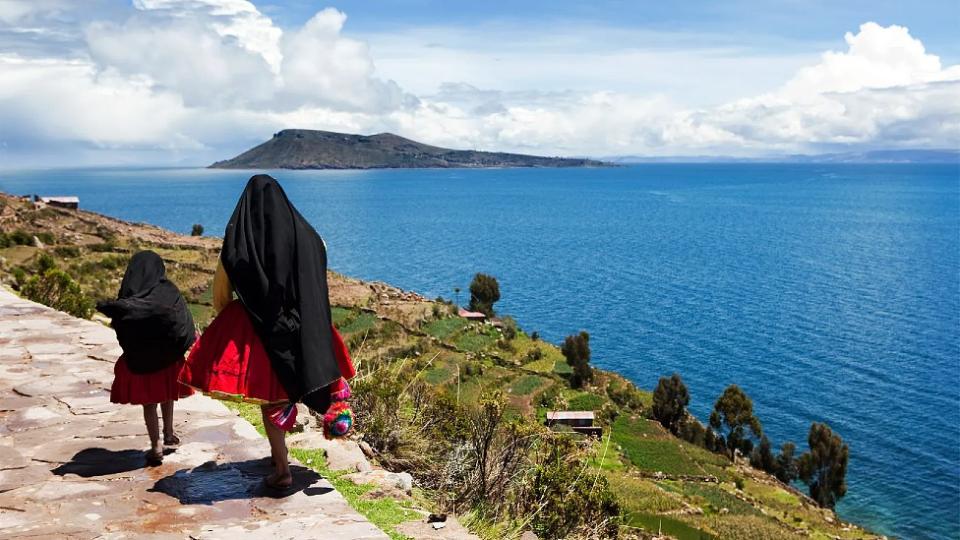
[(155, 329), (275, 345)]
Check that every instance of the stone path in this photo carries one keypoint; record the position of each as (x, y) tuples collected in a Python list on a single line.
[(72, 466)]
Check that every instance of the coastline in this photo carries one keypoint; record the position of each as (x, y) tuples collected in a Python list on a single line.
[(366, 306)]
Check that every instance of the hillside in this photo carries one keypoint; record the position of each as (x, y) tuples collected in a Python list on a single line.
[(309, 149), (428, 378)]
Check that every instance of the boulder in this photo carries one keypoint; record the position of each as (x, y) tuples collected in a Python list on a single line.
[(342, 454), (387, 483)]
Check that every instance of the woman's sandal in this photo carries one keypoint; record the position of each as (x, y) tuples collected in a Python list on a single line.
[(154, 458), (172, 440)]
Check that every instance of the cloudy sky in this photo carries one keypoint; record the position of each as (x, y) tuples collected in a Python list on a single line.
[(191, 81)]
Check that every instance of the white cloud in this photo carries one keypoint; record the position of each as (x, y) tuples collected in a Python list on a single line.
[(209, 77)]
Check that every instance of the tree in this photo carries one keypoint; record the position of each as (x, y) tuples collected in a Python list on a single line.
[(824, 466), (197, 230), (576, 349), (786, 470), (484, 292), (734, 411), (762, 456), (670, 401)]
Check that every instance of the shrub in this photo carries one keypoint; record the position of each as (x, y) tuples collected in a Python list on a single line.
[(55, 288), (564, 501), (197, 230), (67, 252), (484, 292), (45, 262), (626, 396), (535, 336), (534, 354), (510, 328), (45, 237)]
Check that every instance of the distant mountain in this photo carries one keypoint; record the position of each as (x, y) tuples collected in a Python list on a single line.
[(309, 149), (873, 156)]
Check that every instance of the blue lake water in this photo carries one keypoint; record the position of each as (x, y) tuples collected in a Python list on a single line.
[(828, 292)]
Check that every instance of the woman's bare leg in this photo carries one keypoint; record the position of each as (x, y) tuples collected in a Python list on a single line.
[(169, 437), (278, 450), (153, 430)]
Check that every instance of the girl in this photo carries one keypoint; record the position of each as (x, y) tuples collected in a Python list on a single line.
[(275, 345), (155, 329)]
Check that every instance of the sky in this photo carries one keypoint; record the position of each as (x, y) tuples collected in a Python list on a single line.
[(187, 82)]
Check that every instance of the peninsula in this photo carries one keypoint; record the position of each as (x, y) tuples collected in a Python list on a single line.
[(311, 149)]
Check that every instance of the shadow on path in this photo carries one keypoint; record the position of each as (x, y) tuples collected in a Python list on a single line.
[(91, 462), (210, 482)]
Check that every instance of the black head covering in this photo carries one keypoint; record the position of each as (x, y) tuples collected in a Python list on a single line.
[(154, 326), (277, 264)]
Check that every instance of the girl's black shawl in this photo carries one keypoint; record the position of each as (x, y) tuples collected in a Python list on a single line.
[(277, 264), (153, 324)]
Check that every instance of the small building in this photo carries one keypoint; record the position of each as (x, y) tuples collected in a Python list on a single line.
[(472, 315), (61, 202), (578, 421)]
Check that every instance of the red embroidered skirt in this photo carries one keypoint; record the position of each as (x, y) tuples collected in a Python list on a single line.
[(229, 361), (142, 389)]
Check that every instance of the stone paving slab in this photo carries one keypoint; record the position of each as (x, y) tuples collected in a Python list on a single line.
[(72, 463)]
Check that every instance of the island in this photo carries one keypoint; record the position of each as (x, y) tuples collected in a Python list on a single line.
[(312, 149)]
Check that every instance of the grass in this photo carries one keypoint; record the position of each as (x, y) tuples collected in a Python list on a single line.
[(363, 321), (642, 496), (385, 513), (586, 401), (673, 527), (651, 449), (471, 342), (340, 314), (710, 497), (437, 375), (525, 385), (444, 328)]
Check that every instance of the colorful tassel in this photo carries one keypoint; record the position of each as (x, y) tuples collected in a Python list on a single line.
[(338, 420), (340, 391)]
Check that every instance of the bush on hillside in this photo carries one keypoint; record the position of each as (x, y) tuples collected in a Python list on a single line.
[(733, 412), (196, 230), (55, 288)]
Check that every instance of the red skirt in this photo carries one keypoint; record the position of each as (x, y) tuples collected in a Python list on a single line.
[(229, 361), (144, 389)]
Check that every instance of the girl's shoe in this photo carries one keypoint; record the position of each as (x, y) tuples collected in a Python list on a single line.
[(172, 440), (154, 458)]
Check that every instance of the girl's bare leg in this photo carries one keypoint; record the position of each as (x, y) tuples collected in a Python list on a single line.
[(281, 476), (153, 430), (169, 437)]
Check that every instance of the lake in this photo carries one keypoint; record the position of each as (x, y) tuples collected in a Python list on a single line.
[(827, 292)]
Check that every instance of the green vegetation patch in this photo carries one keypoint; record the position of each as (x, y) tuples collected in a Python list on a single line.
[(444, 328), (562, 367), (385, 513), (586, 401), (362, 322), (438, 374), (340, 315), (651, 449), (526, 384), (654, 524), (471, 342), (642, 496), (710, 497)]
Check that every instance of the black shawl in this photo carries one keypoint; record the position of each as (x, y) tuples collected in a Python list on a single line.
[(277, 264), (153, 324)]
